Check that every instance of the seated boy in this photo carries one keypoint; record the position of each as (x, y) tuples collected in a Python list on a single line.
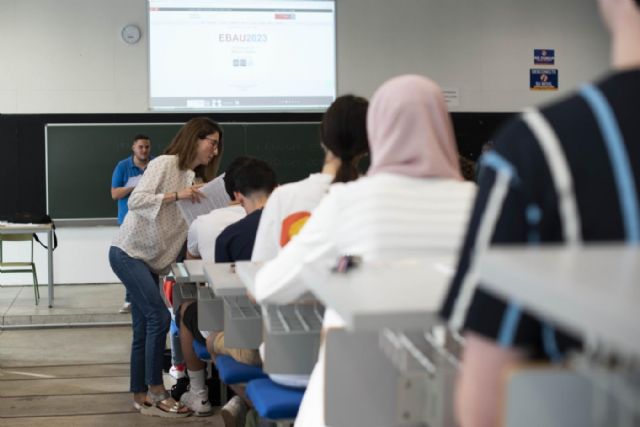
[(205, 229), (253, 181)]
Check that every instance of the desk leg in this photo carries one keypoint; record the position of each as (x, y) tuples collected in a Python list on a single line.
[(50, 265)]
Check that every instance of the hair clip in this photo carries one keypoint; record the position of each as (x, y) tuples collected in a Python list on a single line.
[(346, 263)]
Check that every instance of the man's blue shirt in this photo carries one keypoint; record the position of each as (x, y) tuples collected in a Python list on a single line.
[(124, 170)]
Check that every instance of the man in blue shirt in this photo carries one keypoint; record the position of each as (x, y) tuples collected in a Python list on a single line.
[(122, 186), (126, 169)]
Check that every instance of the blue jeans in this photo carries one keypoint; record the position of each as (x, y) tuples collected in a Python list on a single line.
[(150, 319)]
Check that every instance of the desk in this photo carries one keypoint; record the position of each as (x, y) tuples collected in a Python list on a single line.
[(404, 294), (247, 272), (591, 290), (180, 273), (195, 268), (223, 280), (9, 228)]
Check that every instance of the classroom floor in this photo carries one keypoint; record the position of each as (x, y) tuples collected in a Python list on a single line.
[(74, 375)]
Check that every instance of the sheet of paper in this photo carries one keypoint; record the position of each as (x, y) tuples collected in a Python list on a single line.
[(133, 181), (215, 196)]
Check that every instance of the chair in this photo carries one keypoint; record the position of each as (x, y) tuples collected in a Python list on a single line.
[(274, 401), (19, 267)]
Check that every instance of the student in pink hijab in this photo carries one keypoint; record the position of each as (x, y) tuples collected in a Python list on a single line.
[(412, 202)]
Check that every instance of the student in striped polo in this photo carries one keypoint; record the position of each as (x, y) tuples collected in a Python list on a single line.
[(568, 173)]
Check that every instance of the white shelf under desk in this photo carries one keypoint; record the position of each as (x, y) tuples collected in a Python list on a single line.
[(592, 290), (403, 294), (223, 280)]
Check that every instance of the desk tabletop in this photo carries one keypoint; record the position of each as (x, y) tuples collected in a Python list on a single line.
[(247, 272), (223, 280), (14, 228), (592, 290), (195, 268), (180, 273), (403, 294)]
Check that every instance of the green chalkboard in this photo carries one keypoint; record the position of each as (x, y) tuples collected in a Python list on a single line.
[(81, 158)]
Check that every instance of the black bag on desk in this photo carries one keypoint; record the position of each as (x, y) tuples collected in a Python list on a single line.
[(34, 218)]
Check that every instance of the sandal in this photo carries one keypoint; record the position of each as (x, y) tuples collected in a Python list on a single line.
[(163, 405)]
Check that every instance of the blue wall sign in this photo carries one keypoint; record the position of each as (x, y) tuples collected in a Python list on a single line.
[(544, 56), (543, 79)]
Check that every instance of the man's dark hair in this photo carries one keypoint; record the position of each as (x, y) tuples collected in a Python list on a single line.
[(254, 176), (140, 136), (229, 181)]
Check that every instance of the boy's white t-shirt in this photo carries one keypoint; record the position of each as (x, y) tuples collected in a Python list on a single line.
[(201, 239)]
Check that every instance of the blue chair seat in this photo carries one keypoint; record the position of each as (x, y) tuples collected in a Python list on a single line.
[(274, 401), (233, 372), (201, 350)]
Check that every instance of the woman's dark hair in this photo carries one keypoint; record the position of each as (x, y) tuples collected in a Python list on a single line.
[(185, 146), (467, 168), (344, 133)]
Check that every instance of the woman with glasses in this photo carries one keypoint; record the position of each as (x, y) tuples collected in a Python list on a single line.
[(148, 241)]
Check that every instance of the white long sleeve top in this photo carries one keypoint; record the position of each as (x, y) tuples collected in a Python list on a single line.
[(153, 231), (381, 217)]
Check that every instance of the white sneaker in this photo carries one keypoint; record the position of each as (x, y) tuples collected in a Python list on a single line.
[(176, 372), (234, 412), (126, 308), (198, 402)]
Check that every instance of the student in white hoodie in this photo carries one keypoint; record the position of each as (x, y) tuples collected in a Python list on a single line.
[(344, 140), (412, 201)]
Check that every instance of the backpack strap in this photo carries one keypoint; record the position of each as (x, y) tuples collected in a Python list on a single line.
[(55, 238)]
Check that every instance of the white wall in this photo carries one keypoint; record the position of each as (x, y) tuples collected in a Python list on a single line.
[(81, 257), (66, 56), (484, 48)]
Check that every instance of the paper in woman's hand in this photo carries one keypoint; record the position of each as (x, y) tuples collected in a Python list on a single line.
[(215, 196)]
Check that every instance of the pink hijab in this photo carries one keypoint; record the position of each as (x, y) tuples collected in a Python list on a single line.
[(410, 131)]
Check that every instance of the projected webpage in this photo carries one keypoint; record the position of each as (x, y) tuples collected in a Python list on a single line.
[(242, 55)]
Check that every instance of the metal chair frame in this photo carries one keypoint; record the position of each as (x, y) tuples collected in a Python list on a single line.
[(22, 266)]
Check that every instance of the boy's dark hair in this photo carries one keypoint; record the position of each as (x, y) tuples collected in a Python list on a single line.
[(229, 175), (254, 176), (140, 136)]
